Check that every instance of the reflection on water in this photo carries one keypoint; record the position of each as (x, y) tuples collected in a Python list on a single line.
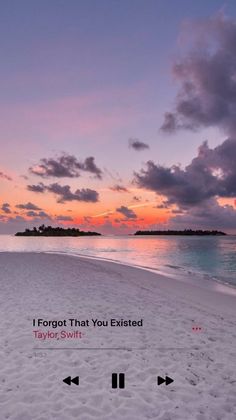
[(214, 257)]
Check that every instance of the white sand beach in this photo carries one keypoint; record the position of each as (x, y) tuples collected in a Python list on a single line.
[(57, 287)]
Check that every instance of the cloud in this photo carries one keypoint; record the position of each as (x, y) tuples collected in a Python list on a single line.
[(207, 77), (6, 208), (119, 188), (128, 213), (65, 166), (43, 214), (40, 188), (28, 206), (163, 206), (177, 211), (64, 218), (65, 194), (5, 176), (209, 215), (31, 213), (170, 123), (90, 166), (40, 214), (206, 97), (137, 145), (196, 188), (212, 173)]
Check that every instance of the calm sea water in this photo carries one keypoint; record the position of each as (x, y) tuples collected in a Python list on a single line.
[(204, 257)]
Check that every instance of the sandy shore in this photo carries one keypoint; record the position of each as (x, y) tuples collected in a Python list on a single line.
[(55, 287)]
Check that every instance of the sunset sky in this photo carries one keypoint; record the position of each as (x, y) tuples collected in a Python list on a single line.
[(118, 115)]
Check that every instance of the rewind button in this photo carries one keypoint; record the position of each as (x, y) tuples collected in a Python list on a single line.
[(69, 381)]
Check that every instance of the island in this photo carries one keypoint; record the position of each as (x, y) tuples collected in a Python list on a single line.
[(185, 232), (55, 231)]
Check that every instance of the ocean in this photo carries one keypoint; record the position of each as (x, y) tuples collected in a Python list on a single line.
[(194, 258)]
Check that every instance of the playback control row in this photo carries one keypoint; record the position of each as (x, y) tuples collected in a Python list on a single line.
[(117, 380)]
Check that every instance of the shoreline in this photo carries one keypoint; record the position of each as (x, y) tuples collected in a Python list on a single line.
[(210, 284), (171, 283), (214, 269), (204, 281), (208, 294)]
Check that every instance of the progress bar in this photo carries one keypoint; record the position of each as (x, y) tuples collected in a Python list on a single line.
[(119, 348)]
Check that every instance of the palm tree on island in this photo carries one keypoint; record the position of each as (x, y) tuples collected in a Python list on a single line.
[(55, 231)]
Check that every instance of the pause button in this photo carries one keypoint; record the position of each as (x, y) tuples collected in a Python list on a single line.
[(118, 381)]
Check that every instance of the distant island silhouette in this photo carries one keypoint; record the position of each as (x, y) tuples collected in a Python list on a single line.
[(55, 231), (185, 232)]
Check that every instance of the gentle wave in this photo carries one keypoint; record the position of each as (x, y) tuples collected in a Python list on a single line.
[(224, 286), (199, 259)]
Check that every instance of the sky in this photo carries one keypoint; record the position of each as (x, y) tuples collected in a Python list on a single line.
[(117, 116)]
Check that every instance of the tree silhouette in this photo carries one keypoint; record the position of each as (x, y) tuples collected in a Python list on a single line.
[(185, 232), (55, 231)]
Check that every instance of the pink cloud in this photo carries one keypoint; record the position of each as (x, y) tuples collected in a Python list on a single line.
[(3, 175)]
